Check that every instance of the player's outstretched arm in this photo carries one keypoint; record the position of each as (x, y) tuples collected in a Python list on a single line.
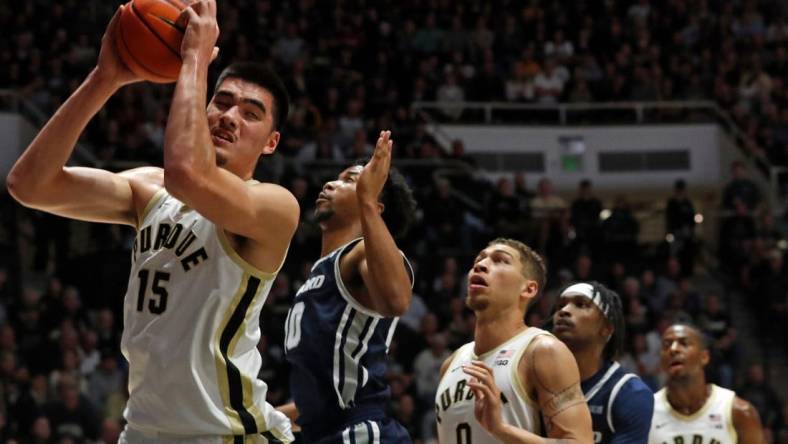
[(382, 268), (747, 423), (40, 178), (266, 213)]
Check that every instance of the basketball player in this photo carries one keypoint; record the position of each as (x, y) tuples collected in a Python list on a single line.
[(688, 410), (501, 386), (590, 321), (343, 317), (209, 241)]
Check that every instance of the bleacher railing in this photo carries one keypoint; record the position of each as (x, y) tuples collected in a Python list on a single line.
[(607, 113)]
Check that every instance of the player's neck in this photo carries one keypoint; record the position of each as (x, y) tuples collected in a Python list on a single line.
[(335, 237), (490, 333), (688, 396), (589, 360)]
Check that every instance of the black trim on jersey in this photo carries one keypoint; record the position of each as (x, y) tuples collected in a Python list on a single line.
[(271, 438), (233, 374), (238, 439)]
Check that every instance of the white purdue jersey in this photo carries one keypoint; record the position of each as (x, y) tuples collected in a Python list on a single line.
[(191, 328), (454, 400), (712, 424)]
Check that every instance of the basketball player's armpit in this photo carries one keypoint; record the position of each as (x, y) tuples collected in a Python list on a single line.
[(562, 400)]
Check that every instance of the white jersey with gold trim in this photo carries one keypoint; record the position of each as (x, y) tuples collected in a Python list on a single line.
[(191, 328), (454, 400), (712, 424)]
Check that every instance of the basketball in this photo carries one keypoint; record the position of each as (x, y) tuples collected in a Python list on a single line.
[(148, 41)]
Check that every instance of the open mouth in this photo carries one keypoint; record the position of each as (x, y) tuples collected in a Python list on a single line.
[(563, 324), (477, 281), (676, 365)]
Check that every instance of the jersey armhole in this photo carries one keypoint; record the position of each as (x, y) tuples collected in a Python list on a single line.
[(153, 202), (613, 393), (346, 293), (517, 381)]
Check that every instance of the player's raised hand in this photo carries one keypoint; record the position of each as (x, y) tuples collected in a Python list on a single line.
[(109, 65), (487, 405), (201, 30), (376, 171)]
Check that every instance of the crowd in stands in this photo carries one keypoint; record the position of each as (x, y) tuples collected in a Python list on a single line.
[(353, 68)]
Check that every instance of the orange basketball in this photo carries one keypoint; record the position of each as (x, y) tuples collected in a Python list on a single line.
[(148, 41)]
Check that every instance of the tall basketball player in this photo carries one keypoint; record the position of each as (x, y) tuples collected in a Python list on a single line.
[(209, 241), (500, 387), (688, 410), (343, 317), (590, 321)]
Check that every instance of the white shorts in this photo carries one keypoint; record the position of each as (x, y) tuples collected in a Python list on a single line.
[(130, 435)]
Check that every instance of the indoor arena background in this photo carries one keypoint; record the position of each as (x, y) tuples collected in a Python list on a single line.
[(683, 213)]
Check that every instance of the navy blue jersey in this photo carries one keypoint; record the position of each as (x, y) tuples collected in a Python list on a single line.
[(337, 350), (621, 405)]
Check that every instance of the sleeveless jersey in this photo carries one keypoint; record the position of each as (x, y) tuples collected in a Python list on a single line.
[(337, 350), (620, 403), (454, 400), (191, 327), (712, 424)]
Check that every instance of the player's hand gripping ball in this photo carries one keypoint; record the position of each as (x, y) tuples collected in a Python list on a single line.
[(148, 41)]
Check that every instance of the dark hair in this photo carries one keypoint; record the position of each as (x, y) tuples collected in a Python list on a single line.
[(399, 205), (533, 264), (261, 75), (615, 315)]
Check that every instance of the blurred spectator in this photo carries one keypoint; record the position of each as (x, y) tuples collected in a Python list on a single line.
[(620, 232), (584, 217), (105, 382), (549, 84), (504, 210), (71, 413), (717, 325), (740, 189), (449, 94), (680, 223), (761, 395)]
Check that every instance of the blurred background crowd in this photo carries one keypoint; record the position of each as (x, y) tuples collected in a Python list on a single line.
[(355, 67)]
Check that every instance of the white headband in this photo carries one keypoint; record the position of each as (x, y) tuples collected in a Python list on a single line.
[(587, 291)]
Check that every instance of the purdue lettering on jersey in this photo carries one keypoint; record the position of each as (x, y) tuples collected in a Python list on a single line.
[(454, 400), (191, 327), (171, 237), (712, 424)]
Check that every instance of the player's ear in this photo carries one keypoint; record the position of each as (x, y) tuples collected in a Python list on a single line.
[(271, 143), (381, 207), (705, 357), (530, 289), (607, 331)]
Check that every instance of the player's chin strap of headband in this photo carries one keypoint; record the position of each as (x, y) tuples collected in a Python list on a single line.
[(589, 291)]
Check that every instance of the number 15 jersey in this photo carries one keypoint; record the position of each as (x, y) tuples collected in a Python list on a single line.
[(191, 327)]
